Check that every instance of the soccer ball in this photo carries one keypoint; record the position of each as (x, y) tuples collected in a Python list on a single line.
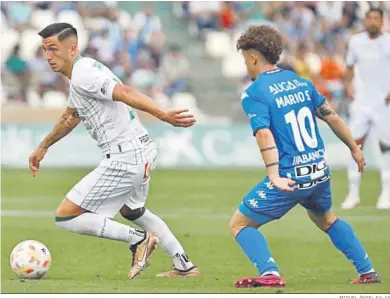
[(30, 259)]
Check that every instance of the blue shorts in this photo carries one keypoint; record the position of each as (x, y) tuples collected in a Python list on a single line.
[(265, 203)]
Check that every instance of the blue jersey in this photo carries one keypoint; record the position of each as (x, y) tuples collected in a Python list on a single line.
[(285, 103)]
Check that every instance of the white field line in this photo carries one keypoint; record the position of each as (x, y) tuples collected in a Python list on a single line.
[(181, 213), (224, 212), (152, 197)]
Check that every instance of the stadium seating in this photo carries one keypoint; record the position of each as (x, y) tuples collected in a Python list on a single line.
[(111, 4), (227, 65), (8, 39), (313, 62), (3, 23), (99, 23), (95, 24), (41, 18), (163, 100), (3, 95), (184, 101), (235, 38), (364, 6), (11, 82), (83, 36), (33, 99), (54, 99), (124, 19), (29, 42), (233, 66), (74, 18), (71, 17), (218, 44), (188, 101)]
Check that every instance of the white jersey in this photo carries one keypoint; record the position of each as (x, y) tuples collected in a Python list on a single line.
[(371, 61), (110, 123)]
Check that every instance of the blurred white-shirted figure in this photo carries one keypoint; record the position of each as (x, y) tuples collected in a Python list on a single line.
[(368, 62), (121, 181)]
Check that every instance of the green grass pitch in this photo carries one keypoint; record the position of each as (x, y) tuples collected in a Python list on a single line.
[(197, 206)]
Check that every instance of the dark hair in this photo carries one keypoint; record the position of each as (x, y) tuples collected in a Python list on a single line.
[(64, 30), (375, 9), (264, 39)]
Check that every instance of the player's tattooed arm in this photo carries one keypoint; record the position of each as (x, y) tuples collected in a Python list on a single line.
[(270, 154), (268, 148), (68, 120), (337, 124), (325, 111), (342, 131), (64, 126), (269, 151)]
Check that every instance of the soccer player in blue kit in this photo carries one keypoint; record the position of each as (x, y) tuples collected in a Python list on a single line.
[(282, 109)]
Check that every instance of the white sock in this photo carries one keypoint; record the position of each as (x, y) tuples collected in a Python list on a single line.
[(385, 172), (168, 242), (370, 271), (271, 272), (99, 226), (353, 178)]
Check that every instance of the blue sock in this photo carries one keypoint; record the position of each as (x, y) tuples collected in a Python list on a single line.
[(255, 247), (345, 240)]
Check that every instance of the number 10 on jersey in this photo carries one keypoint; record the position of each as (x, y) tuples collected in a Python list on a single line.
[(300, 131)]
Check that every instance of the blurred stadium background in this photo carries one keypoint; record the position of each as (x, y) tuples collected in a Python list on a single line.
[(182, 54)]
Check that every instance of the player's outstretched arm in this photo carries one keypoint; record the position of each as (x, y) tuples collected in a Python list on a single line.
[(348, 77), (350, 60), (64, 126), (137, 100), (269, 152), (342, 131)]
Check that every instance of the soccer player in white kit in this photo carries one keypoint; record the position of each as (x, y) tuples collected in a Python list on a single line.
[(121, 181), (368, 62)]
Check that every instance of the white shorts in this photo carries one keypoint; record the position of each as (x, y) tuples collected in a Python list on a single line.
[(364, 121), (113, 184)]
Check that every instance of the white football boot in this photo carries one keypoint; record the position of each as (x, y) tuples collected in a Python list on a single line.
[(383, 202), (350, 202)]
